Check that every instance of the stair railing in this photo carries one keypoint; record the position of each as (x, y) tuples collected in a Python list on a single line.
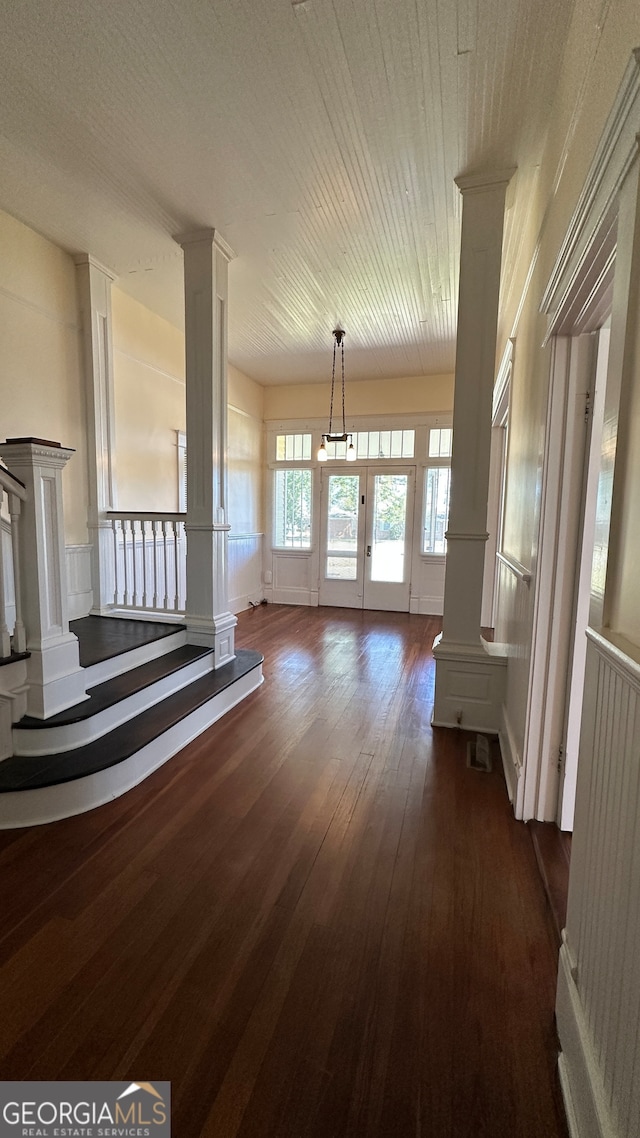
[(149, 561), (12, 631)]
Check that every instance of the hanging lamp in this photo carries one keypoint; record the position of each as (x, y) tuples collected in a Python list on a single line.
[(331, 436)]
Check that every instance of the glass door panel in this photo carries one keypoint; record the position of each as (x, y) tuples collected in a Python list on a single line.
[(343, 509), (388, 539), (342, 539), (389, 523)]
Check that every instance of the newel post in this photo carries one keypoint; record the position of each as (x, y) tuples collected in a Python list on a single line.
[(54, 675)]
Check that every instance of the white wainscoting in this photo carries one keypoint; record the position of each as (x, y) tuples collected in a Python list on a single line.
[(244, 570), (294, 578), (598, 1008), (513, 609), (427, 585), (78, 564), (79, 591)]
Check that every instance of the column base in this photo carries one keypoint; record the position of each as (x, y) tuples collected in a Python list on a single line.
[(470, 685), (218, 634), (56, 680)]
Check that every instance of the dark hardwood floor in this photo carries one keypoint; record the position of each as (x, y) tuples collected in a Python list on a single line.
[(316, 921), (553, 854)]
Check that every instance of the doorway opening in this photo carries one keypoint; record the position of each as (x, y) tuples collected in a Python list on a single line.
[(366, 537)]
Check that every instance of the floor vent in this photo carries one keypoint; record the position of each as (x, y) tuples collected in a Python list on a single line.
[(478, 754)]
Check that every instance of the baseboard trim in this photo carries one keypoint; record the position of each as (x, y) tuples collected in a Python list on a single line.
[(427, 605), (584, 1096), (510, 759)]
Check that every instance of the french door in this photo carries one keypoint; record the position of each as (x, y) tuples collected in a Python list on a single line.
[(365, 537)]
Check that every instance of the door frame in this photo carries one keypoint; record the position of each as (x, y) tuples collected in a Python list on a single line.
[(367, 472), (583, 306)]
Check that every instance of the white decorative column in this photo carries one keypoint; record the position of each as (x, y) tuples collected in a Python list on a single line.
[(209, 622), (470, 673), (54, 675), (94, 298)]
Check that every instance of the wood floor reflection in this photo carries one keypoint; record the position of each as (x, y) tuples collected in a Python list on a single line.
[(316, 921)]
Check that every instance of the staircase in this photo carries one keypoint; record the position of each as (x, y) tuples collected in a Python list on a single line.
[(149, 693)]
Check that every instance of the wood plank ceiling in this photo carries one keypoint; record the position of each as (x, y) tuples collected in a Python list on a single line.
[(321, 137)]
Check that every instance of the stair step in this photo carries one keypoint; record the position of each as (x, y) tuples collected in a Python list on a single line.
[(118, 688), (112, 703), (103, 637), (24, 774)]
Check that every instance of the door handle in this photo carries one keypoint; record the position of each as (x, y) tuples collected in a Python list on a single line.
[(368, 551)]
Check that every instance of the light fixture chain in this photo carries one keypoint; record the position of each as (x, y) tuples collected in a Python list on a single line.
[(333, 381), (344, 425)]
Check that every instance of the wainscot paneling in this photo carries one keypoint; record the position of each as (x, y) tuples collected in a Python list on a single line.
[(244, 570), (79, 591), (294, 580), (513, 621), (598, 1008)]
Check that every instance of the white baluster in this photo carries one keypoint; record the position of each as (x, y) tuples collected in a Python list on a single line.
[(5, 639), (166, 566), (174, 526), (135, 563), (181, 589), (19, 633), (116, 577), (143, 527), (154, 530), (126, 565)]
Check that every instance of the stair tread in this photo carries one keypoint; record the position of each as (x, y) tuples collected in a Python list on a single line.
[(21, 773), (103, 637), (118, 688)]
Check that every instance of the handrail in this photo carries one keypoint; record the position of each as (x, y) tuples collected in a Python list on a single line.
[(12, 485), (146, 516), (16, 641), (516, 568)]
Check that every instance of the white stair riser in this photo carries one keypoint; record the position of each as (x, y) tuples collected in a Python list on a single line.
[(53, 740), (107, 669), (49, 804)]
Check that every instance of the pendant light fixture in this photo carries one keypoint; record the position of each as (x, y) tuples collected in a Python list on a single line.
[(331, 436)]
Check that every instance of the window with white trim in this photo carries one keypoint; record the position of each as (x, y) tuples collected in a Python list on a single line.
[(437, 487), (292, 508)]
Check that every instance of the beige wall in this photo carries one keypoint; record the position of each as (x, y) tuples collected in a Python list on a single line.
[(150, 409), (245, 453), (148, 368), (40, 377), (595, 59), (429, 393)]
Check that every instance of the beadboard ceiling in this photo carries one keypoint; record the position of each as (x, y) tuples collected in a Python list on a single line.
[(321, 137)]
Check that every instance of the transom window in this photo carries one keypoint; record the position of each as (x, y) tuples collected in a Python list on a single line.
[(440, 442), (377, 444), (293, 448)]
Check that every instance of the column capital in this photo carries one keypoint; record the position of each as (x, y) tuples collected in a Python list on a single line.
[(88, 259), (30, 451), (206, 236), (484, 180)]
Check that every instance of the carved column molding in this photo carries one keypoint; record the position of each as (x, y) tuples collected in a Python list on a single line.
[(206, 260), (54, 675), (94, 297), (470, 673)]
